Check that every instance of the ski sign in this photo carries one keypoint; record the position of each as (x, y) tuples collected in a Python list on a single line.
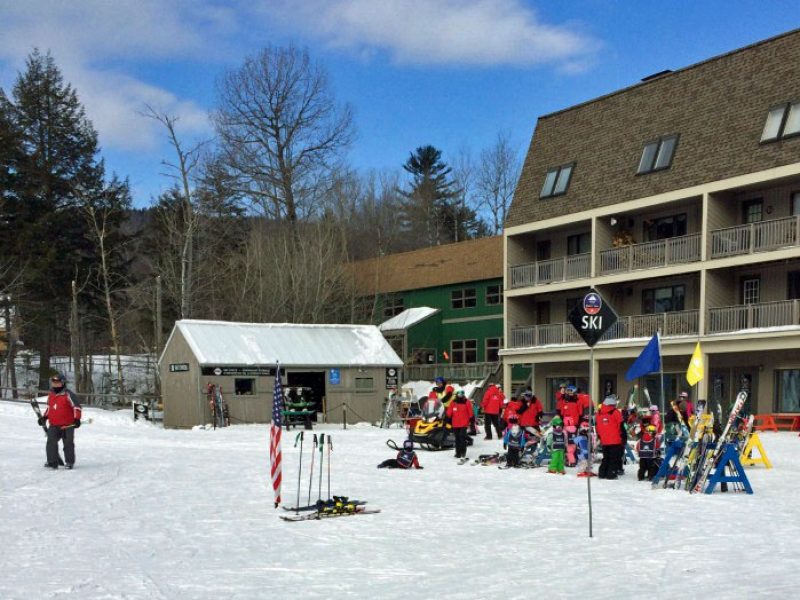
[(592, 317)]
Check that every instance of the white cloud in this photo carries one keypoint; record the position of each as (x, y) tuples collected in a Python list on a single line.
[(469, 32), (88, 38)]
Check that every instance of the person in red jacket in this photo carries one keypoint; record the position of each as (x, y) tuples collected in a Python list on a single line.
[(512, 408), (609, 430), (491, 405), (530, 413), (460, 413), (571, 405), (64, 413)]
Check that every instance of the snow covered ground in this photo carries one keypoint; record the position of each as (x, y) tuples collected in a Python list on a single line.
[(153, 513)]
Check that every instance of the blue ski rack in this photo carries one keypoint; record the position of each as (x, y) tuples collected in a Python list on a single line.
[(675, 448), (729, 458)]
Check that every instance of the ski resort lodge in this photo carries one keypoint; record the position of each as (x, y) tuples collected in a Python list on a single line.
[(350, 365), (678, 199)]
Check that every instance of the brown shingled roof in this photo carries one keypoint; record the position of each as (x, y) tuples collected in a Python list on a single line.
[(473, 260), (718, 108)]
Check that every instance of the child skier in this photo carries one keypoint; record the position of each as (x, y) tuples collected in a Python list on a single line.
[(557, 444), (648, 450), (406, 458), (571, 451), (513, 441)]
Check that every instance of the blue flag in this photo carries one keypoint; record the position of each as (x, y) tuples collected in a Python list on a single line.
[(649, 360)]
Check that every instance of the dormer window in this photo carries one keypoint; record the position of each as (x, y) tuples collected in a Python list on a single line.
[(782, 121), (657, 155), (556, 181)]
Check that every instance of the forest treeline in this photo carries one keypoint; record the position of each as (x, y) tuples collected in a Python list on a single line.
[(258, 222)]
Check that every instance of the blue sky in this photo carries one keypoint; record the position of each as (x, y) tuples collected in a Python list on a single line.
[(452, 73)]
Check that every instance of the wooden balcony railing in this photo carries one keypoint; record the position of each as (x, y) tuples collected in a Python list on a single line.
[(660, 253), (685, 322), (763, 236), (451, 372), (565, 268), (753, 316)]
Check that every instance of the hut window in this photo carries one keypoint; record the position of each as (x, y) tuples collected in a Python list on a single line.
[(365, 384), (244, 387)]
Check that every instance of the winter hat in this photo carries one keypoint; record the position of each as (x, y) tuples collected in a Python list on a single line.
[(527, 394), (572, 388), (683, 395), (556, 421), (432, 396), (449, 389), (653, 408), (408, 445), (610, 401), (461, 393)]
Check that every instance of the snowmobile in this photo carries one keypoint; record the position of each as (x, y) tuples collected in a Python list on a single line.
[(432, 431)]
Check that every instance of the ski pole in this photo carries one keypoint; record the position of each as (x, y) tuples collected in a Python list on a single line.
[(330, 449), (321, 460), (311, 475), (299, 469)]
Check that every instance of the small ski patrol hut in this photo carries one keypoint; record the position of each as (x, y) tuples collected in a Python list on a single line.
[(350, 365)]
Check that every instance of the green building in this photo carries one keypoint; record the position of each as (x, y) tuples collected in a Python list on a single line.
[(441, 308)]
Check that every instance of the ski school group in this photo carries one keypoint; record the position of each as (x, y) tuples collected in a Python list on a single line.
[(571, 437)]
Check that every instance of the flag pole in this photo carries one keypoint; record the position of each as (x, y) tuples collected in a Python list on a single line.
[(661, 370)]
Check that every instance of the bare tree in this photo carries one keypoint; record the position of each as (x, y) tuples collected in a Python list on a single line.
[(464, 176), (496, 179), (182, 171), (280, 130)]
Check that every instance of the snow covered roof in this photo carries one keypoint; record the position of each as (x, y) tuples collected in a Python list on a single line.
[(251, 344), (407, 318)]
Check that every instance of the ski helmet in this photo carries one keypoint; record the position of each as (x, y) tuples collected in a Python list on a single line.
[(556, 421), (650, 429), (461, 393), (408, 445), (439, 381), (571, 389), (513, 419)]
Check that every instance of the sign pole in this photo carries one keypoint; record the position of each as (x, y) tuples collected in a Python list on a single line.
[(590, 458)]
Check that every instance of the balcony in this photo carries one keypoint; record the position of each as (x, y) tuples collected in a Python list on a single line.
[(763, 236), (450, 371), (542, 272), (725, 319), (685, 322), (649, 255)]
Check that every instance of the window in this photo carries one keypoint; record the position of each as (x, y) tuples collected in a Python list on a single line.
[(664, 299), (493, 346), (665, 227), (392, 305), (793, 285), (494, 294), (573, 302), (543, 250), (795, 204), (752, 211), (464, 351), (578, 244), (788, 386), (556, 181), (751, 290), (465, 298), (244, 387), (657, 155), (782, 121), (365, 384)]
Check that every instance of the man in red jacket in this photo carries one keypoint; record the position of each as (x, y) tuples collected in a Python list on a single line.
[(530, 412), (460, 413), (491, 405), (609, 430), (64, 413)]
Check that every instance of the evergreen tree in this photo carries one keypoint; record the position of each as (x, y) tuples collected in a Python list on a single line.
[(56, 174), (431, 211)]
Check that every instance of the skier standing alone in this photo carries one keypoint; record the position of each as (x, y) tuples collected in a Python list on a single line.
[(64, 413), (609, 430)]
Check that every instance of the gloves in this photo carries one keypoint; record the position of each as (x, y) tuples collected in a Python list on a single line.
[(41, 421), (505, 447), (77, 423)]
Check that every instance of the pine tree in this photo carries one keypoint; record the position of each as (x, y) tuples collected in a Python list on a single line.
[(431, 211), (58, 172)]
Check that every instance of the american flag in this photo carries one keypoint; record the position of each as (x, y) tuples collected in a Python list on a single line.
[(275, 454)]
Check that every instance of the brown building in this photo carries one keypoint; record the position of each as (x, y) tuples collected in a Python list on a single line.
[(678, 199)]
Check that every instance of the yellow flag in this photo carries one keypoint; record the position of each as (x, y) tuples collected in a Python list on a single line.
[(695, 372)]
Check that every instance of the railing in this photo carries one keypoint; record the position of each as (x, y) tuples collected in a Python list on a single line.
[(685, 322), (752, 316), (457, 372), (566, 268), (660, 253), (755, 237)]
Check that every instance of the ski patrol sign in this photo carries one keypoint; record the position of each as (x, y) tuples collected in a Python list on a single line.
[(592, 317)]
